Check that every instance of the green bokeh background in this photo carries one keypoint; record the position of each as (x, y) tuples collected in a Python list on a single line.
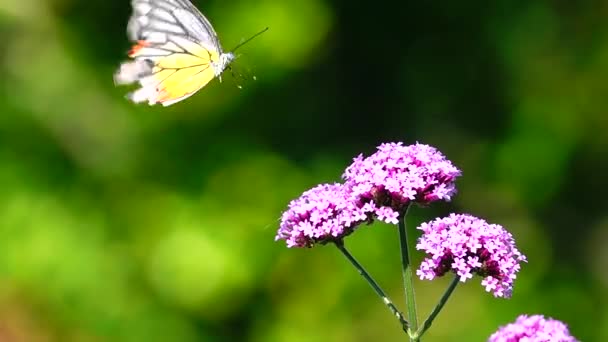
[(123, 222)]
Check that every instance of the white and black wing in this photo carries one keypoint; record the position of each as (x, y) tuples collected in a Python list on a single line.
[(157, 20)]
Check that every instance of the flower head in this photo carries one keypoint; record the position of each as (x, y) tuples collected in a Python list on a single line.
[(533, 329), (322, 214), (467, 246), (386, 182)]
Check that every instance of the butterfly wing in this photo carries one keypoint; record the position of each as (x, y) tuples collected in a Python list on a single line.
[(174, 51)]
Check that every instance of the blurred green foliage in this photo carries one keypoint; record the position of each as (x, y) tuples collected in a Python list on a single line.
[(123, 222)]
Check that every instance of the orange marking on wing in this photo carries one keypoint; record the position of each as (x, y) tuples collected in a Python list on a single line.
[(140, 44), (164, 95)]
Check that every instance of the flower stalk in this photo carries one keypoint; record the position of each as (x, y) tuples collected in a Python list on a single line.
[(446, 295), (408, 281), (404, 323)]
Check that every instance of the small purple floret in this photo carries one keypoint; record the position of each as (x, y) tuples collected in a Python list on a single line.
[(467, 246), (533, 329)]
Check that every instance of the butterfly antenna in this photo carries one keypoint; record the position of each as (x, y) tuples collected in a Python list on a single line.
[(248, 40)]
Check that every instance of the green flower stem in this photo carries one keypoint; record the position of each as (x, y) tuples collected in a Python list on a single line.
[(446, 295), (408, 276), (374, 285)]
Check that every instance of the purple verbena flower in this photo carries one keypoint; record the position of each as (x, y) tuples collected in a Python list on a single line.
[(386, 182), (533, 329), (322, 214), (467, 245)]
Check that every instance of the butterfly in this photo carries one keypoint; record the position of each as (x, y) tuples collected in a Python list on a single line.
[(176, 52)]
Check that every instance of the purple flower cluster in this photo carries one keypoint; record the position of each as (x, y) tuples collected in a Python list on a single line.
[(467, 245), (389, 180), (378, 187), (322, 214), (533, 329)]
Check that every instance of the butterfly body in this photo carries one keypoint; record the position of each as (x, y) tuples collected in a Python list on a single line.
[(220, 65), (176, 52)]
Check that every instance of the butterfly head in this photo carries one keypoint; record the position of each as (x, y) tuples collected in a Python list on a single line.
[(223, 61)]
